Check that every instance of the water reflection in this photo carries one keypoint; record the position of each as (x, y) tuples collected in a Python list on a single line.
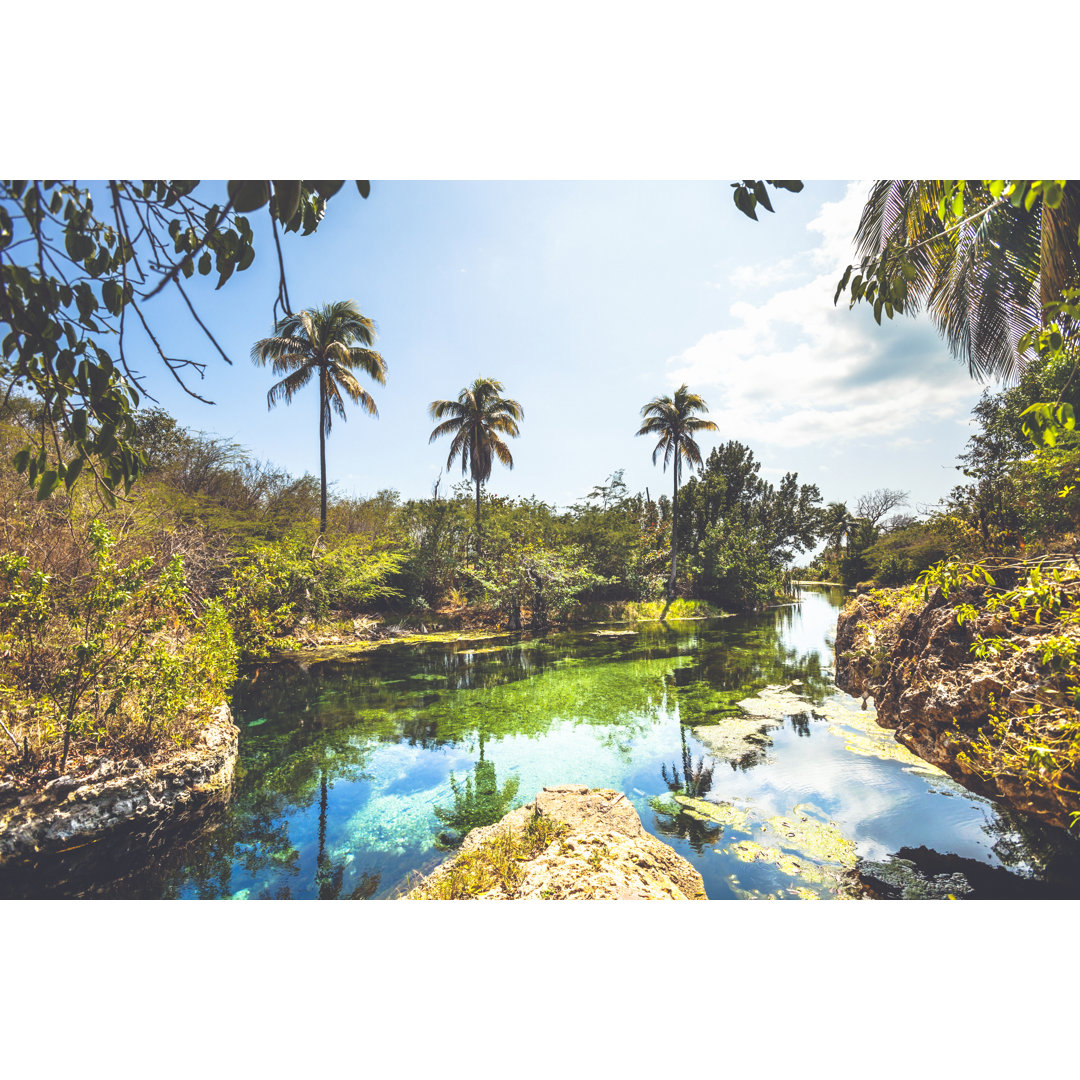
[(354, 774)]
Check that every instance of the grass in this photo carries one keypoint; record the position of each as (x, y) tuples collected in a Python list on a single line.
[(494, 864)]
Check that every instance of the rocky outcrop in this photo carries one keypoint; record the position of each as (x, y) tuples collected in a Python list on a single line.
[(604, 853), (915, 661), (72, 811)]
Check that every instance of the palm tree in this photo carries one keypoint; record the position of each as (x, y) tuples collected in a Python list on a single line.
[(476, 420), (838, 525), (671, 418), (984, 282), (331, 342)]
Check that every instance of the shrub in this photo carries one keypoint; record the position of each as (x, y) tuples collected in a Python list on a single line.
[(115, 659)]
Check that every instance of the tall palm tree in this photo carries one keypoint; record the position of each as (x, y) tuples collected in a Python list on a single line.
[(984, 282), (838, 525), (476, 420), (672, 419), (330, 342)]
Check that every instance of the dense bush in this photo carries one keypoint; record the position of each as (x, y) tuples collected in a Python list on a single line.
[(116, 658)]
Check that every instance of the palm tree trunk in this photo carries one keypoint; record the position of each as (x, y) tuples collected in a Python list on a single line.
[(479, 535), (674, 529), (323, 406)]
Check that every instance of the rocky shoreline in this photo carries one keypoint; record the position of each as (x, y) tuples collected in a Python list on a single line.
[(915, 661), (118, 796)]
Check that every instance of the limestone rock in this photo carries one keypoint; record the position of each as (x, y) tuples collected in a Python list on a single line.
[(606, 854), (74, 810), (929, 688)]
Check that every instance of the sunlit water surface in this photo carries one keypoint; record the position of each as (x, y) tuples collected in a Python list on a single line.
[(343, 764)]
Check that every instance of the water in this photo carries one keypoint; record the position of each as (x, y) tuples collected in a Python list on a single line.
[(343, 766)]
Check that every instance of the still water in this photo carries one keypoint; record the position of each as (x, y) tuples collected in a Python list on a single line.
[(344, 786)]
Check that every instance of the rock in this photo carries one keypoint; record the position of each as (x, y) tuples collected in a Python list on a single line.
[(916, 662), (603, 854), (74, 810)]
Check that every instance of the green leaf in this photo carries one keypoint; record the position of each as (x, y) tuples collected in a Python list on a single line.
[(248, 195), (78, 245), (287, 199), (762, 196), (205, 263), (21, 460), (72, 474), (113, 295), (364, 187), (48, 482), (327, 188), (745, 202), (225, 270)]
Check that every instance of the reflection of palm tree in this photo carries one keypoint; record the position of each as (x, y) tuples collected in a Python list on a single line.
[(672, 419), (328, 888), (675, 823), (481, 802), (696, 779)]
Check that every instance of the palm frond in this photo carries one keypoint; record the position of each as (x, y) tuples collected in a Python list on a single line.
[(502, 452), (287, 388), (445, 428)]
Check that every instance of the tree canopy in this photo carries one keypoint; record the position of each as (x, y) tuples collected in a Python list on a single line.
[(77, 270)]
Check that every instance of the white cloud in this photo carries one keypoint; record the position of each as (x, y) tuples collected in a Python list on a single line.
[(795, 370), (764, 273)]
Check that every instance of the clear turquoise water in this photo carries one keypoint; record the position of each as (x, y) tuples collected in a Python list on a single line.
[(343, 765)]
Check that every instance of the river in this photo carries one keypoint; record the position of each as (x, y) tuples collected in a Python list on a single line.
[(347, 775)]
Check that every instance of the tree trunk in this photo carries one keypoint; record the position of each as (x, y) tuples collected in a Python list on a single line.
[(323, 406), (674, 530), (479, 537)]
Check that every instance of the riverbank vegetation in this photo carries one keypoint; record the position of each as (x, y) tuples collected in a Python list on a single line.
[(121, 623), (995, 568), (125, 608)]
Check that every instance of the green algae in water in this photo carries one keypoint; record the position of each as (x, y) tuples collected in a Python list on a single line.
[(346, 762), (724, 814)]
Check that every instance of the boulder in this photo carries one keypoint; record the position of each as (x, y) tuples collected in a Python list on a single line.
[(603, 853)]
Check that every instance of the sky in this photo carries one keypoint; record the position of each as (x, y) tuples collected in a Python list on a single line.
[(586, 300)]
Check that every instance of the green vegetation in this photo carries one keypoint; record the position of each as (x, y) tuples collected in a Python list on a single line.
[(75, 279), (108, 655)]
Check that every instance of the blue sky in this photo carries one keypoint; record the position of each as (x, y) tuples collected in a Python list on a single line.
[(586, 299)]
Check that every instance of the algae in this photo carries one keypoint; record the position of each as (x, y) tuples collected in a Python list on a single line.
[(867, 738), (725, 814)]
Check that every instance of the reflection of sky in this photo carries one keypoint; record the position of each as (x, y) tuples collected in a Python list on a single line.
[(811, 625), (613, 723)]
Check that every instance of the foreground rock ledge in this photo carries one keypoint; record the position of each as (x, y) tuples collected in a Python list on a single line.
[(606, 855), (72, 811), (928, 688)]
